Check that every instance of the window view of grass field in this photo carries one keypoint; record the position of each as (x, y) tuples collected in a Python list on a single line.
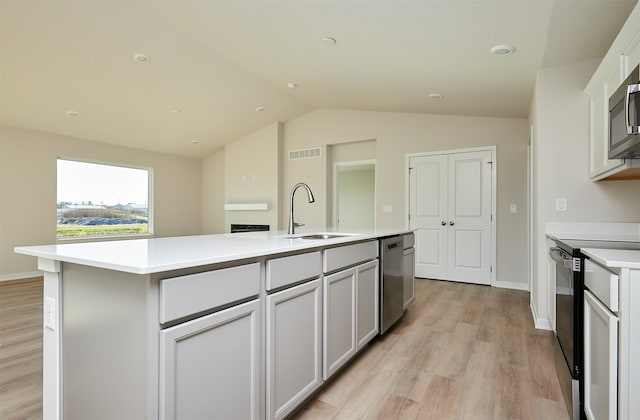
[(99, 200)]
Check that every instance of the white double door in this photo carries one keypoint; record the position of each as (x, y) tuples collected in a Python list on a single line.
[(450, 210)]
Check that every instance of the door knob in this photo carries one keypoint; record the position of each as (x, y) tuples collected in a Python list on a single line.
[(443, 223), (451, 223)]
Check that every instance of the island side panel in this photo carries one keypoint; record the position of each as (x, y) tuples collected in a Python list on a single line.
[(51, 339), (105, 337)]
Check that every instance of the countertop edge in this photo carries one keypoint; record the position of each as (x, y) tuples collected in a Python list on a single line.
[(270, 248), (614, 258)]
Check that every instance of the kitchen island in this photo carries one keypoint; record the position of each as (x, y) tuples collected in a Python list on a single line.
[(227, 326)]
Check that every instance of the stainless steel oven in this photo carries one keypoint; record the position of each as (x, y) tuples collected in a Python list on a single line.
[(569, 306)]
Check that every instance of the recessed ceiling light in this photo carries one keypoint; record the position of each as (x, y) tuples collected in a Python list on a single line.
[(195, 141), (261, 109), (176, 111), (141, 58), (73, 114), (328, 41), (292, 85), (503, 49), (436, 96)]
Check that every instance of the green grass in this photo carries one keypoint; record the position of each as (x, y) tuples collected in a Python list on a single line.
[(78, 231)]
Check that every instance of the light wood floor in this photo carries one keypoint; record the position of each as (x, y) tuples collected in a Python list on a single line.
[(21, 349), (460, 352)]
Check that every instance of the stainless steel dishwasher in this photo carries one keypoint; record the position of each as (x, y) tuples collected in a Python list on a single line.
[(391, 282)]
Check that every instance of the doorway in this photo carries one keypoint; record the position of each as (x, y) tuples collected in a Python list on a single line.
[(354, 197), (452, 201)]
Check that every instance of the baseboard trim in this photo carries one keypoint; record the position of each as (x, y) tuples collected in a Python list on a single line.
[(540, 323), (511, 285), (20, 276)]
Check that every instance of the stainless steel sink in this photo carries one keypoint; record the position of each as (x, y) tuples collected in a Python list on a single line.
[(323, 236), (320, 235)]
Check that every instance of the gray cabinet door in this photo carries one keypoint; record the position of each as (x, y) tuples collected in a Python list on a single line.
[(210, 366), (339, 319), (367, 302), (293, 335), (409, 284)]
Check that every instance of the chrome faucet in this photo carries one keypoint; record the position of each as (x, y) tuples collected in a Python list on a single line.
[(293, 225)]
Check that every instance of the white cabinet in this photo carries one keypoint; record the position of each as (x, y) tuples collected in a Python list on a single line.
[(210, 366), (293, 331), (294, 346), (631, 53), (185, 296), (622, 57), (351, 313), (339, 319), (600, 165), (611, 339), (286, 271), (351, 302), (367, 301), (600, 360), (348, 255)]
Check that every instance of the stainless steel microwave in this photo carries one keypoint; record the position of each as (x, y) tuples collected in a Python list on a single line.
[(624, 118)]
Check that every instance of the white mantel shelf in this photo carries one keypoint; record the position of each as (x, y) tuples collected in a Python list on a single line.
[(246, 207), (146, 256)]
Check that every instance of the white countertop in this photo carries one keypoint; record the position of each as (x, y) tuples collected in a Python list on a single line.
[(614, 237), (145, 256), (628, 232), (614, 258)]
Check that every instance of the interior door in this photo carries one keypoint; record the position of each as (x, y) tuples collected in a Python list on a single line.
[(469, 224), (428, 214), (450, 204)]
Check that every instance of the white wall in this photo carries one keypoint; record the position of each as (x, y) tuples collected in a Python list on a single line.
[(341, 153), (213, 179), (396, 135), (28, 190), (560, 147), (356, 197), (252, 175)]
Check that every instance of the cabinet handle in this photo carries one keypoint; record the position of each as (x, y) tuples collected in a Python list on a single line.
[(451, 223), (631, 89), (443, 223)]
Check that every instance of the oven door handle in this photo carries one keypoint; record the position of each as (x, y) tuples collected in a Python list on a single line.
[(564, 259), (631, 90)]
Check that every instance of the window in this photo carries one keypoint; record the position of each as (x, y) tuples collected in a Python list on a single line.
[(99, 200)]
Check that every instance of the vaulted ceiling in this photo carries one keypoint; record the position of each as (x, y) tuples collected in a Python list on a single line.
[(213, 63)]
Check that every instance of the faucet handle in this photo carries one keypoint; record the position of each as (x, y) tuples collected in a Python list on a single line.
[(296, 224)]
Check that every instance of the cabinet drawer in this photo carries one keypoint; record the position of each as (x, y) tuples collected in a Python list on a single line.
[(602, 283), (186, 295), (348, 255), (288, 270)]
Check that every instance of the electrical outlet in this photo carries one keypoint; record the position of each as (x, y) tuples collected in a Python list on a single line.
[(50, 313), (514, 208)]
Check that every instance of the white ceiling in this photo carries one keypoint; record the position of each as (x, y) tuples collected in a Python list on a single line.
[(217, 60)]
